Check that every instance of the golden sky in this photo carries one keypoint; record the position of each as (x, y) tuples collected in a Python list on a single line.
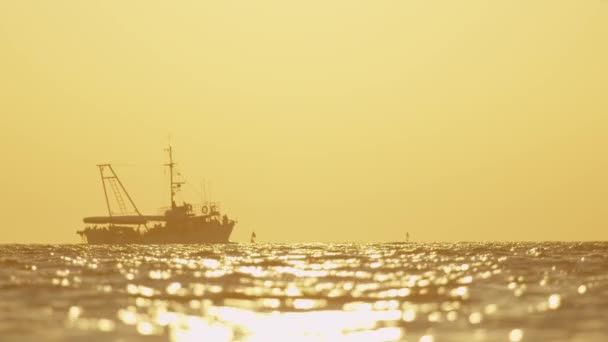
[(313, 120)]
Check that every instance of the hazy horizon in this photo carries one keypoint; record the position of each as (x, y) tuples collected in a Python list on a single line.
[(313, 122)]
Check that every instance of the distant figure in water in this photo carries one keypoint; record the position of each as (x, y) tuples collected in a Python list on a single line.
[(253, 236), (407, 237)]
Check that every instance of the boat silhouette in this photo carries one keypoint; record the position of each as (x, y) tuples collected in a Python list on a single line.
[(180, 224)]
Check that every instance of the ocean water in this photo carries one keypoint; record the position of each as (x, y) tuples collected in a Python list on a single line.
[(305, 292)]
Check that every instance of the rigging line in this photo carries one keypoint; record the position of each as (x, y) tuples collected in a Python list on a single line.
[(192, 187)]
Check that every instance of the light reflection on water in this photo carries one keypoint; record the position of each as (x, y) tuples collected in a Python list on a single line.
[(306, 292)]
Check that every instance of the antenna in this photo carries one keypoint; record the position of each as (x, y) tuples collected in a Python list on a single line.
[(205, 190), (210, 193)]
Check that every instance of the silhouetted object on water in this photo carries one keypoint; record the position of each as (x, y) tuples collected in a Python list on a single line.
[(407, 237), (179, 224), (253, 237)]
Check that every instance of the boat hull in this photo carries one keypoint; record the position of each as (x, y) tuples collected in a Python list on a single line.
[(186, 234)]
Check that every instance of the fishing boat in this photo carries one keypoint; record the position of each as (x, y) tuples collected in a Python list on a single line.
[(178, 224)]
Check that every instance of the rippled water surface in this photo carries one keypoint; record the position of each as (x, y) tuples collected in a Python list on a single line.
[(316, 292)]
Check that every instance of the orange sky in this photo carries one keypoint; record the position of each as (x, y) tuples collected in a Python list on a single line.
[(313, 121)]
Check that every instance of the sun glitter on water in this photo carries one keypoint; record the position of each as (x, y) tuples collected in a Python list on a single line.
[(310, 292)]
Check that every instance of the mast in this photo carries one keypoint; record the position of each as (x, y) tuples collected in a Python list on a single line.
[(173, 185)]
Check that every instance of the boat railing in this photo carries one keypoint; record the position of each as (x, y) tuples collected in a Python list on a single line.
[(197, 208)]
